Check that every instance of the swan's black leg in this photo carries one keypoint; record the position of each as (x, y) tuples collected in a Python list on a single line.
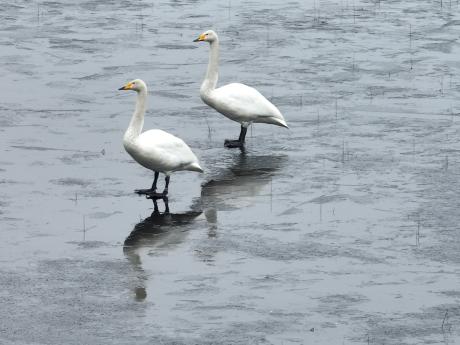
[(165, 200), (155, 207), (237, 143), (165, 191), (242, 134), (154, 184)]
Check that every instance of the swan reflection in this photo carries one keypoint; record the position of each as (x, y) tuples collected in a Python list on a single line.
[(235, 186), (159, 230), (230, 188)]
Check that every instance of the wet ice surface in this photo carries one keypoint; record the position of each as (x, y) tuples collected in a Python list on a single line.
[(343, 229)]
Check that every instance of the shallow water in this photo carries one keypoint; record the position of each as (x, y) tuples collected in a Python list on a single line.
[(341, 230)]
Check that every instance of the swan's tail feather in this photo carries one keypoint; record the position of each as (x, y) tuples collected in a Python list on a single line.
[(279, 122), (284, 124), (195, 167)]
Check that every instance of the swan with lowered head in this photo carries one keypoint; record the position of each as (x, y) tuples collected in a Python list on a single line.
[(155, 149), (238, 102)]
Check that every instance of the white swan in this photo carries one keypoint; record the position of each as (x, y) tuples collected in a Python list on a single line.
[(155, 149), (238, 102)]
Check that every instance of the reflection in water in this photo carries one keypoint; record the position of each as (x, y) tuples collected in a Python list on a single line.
[(161, 229), (231, 187)]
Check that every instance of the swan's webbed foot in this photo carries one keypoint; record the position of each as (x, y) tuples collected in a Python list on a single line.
[(237, 143), (150, 193), (233, 144), (144, 191)]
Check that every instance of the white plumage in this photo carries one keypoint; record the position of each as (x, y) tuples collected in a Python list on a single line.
[(238, 102), (155, 149), (244, 104), (160, 151)]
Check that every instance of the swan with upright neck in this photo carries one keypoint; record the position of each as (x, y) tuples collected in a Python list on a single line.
[(238, 102), (155, 149)]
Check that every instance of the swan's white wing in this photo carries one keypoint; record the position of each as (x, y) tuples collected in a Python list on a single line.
[(243, 103), (161, 151)]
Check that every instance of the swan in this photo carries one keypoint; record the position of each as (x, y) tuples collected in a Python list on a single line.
[(238, 102), (155, 149)]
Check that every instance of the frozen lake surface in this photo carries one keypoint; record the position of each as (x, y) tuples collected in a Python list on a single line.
[(342, 230)]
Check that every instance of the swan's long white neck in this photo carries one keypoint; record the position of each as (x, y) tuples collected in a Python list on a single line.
[(210, 81), (137, 120)]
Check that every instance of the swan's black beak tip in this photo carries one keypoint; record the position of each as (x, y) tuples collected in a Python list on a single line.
[(196, 40), (122, 88)]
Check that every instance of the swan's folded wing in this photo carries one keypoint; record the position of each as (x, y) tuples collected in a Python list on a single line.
[(167, 147), (244, 101)]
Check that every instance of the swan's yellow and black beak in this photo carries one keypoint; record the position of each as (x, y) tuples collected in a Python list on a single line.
[(128, 86), (200, 38)]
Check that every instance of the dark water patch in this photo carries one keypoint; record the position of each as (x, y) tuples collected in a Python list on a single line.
[(95, 76), (173, 95), (11, 219), (444, 47), (10, 6), (90, 244), (53, 112), (176, 46), (341, 305), (451, 293), (102, 215), (10, 182), (104, 193), (283, 227), (430, 323), (196, 16), (42, 148), (72, 181), (323, 199), (77, 158)]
